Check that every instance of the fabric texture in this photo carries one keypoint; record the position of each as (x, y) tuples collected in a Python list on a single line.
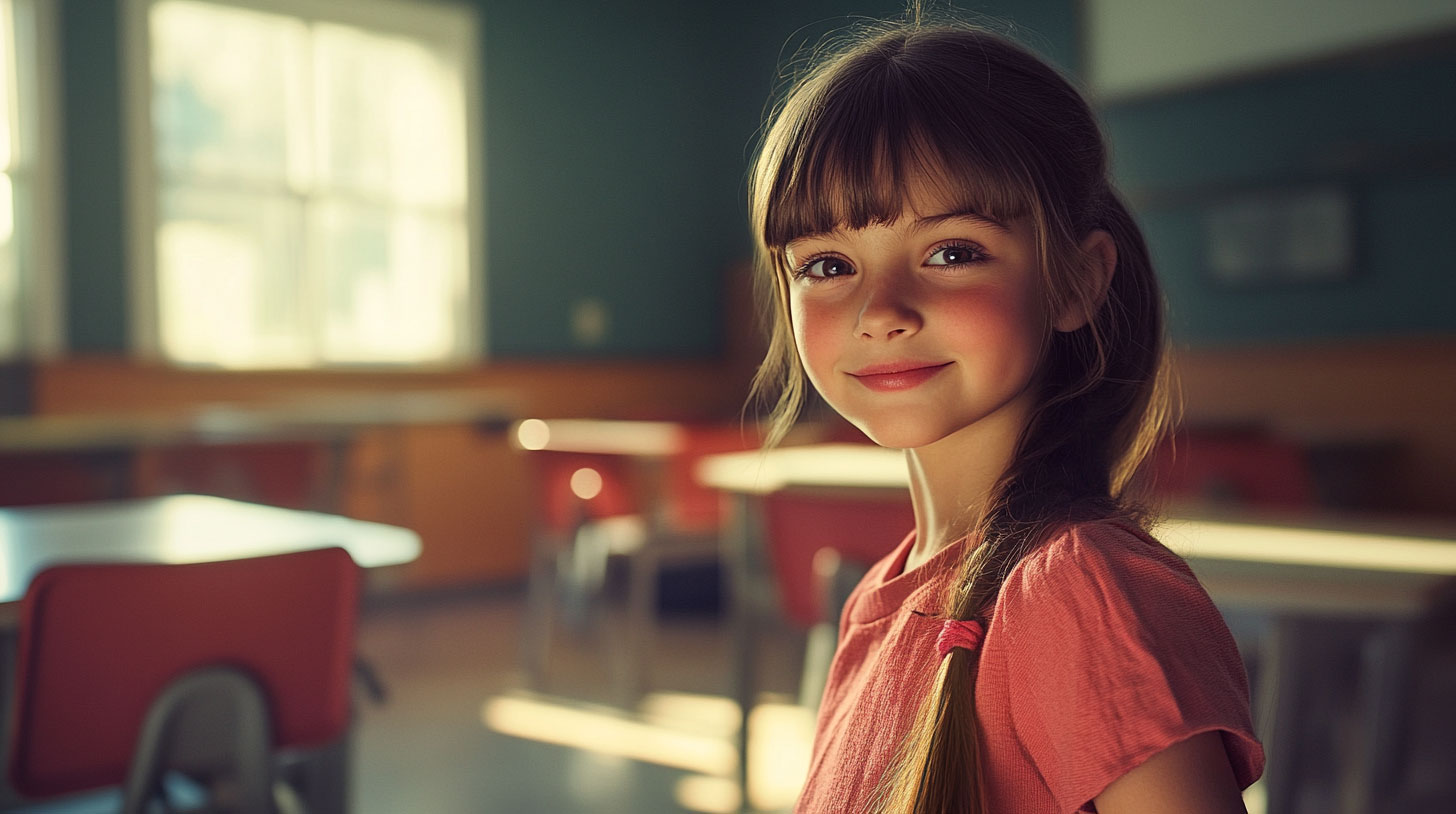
[(1101, 650)]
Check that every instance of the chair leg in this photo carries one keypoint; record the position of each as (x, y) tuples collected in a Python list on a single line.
[(540, 608), (321, 780), (1385, 684), (1279, 710), (641, 619)]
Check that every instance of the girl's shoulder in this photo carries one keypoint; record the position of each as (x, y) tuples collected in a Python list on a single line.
[(1096, 547), (1101, 565), (1106, 651)]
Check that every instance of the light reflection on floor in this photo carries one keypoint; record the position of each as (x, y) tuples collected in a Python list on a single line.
[(677, 730), (448, 663)]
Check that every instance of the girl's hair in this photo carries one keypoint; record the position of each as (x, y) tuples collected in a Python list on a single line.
[(994, 130)]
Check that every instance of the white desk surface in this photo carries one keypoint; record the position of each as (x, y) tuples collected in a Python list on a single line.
[(1318, 563), (641, 439), (181, 529)]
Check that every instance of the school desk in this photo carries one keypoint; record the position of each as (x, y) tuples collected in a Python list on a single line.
[(1304, 572), (180, 529), (94, 456), (639, 500)]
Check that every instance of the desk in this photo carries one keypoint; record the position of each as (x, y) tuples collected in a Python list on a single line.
[(641, 439), (1302, 571), (108, 443), (180, 529), (569, 550)]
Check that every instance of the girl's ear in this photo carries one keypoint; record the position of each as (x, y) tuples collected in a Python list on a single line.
[(1099, 252)]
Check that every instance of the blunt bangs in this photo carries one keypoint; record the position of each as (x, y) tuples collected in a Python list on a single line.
[(847, 150)]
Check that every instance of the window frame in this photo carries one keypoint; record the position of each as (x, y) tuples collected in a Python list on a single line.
[(421, 19), (41, 260)]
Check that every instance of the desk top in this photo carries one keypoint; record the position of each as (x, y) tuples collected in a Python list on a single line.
[(1310, 563), (641, 439), (181, 529), (326, 417), (844, 466)]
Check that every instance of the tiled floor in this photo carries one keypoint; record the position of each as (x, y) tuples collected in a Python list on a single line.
[(450, 663)]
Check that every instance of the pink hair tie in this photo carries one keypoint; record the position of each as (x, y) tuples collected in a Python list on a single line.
[(959, 633)]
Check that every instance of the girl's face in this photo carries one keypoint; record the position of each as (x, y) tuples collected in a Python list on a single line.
[(924, 328)]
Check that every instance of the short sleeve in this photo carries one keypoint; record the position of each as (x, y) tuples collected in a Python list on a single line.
[(1114, 653)]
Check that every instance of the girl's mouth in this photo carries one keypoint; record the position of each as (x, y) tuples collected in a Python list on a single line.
[(897, 375)]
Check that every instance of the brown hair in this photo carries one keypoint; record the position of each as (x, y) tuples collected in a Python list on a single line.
[(997, 131)]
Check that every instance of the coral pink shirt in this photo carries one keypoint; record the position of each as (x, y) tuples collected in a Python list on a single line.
[(1102, 650)]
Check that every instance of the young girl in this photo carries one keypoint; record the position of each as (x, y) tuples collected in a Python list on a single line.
[(954, 274)]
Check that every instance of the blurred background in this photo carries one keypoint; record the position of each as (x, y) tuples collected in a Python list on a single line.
[(327, 254)]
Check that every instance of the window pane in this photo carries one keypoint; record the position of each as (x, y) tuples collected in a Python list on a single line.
[(228, 89), (228, 279), (313, 191), (391, 118), (394, 281), (7, 85)]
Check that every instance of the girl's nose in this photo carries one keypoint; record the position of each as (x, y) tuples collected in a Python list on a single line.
[(887, 312)]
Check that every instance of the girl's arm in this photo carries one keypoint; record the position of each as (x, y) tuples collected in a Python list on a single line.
[(1190, 777)]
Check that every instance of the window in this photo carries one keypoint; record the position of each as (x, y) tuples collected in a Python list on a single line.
[(306, 194), (29, 244)]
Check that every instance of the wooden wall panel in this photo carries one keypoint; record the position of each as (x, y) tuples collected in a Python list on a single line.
[(1397, 394)]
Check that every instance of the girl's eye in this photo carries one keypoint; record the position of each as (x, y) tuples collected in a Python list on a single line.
[(824, 268), (955, 254)]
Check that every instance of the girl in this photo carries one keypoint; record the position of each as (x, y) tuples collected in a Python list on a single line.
[(953, 273)]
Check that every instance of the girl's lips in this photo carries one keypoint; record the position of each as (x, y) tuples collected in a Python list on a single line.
[(897, 376)]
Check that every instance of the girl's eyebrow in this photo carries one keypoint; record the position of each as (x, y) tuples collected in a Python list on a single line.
[(919, 224), (960, 214)]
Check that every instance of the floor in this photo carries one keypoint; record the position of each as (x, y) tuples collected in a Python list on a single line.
[(459, 731)]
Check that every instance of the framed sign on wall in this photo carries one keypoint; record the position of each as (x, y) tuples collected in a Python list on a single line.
[(1282, 235)]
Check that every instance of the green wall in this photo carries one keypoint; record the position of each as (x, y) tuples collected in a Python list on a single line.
[(1379, 126), (95, 286), (617, 136), (613, 166)]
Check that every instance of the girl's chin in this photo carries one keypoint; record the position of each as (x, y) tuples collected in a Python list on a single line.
[(898, 435)]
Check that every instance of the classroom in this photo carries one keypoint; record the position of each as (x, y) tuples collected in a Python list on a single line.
[(471, 289)]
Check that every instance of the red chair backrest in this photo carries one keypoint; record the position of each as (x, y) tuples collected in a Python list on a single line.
[(99, 642), (798, 525), (561, 508), (691, 506)]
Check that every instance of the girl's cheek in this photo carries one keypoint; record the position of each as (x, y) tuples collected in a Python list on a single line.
[(814, 336)]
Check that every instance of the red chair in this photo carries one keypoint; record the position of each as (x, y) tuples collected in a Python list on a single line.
[(586, 511), (692, 507), (819, 546), (220, 670), (798, 526)]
